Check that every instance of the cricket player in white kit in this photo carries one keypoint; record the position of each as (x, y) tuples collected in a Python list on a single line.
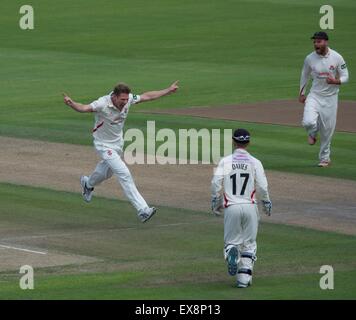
[(328, 70), (240, 175), (110, 114)]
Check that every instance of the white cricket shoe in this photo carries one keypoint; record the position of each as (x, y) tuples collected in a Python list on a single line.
[(86, 192), (146, 214)]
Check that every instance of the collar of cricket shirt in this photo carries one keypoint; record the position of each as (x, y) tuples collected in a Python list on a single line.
[(241, 150), (110, 104)]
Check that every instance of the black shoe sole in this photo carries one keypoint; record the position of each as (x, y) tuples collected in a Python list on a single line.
[(153, 213), (231, 261)]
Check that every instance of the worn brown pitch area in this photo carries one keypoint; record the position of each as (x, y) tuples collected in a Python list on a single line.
[(284, 112), (298, 199)]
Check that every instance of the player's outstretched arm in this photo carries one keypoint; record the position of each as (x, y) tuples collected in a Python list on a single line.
[(79, 107), (153, 95)]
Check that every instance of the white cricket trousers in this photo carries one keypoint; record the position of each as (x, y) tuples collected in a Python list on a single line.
[(240, 231), (320, 114), (110, 164)]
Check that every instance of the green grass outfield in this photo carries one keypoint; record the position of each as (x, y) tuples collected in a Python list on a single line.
[(223, 52), (177, 255)]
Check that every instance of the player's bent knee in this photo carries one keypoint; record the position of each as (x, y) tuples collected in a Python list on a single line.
[(108, 173)]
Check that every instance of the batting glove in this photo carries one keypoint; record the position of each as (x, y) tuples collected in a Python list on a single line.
[(267, 207)]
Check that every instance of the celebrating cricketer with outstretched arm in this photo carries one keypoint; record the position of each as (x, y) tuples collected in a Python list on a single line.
[(110, 115), (328, 71), (240, 176)]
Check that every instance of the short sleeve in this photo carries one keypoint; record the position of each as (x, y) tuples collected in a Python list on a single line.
[(99, 104)]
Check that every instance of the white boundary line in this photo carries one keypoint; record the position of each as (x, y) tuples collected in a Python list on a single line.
[(22, 249)]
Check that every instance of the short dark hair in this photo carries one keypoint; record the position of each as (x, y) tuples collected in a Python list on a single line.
[(121, 88), (320, 35)]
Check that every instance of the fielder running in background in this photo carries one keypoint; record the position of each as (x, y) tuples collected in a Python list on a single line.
[(110, 114), (328, 71), (240, 175)]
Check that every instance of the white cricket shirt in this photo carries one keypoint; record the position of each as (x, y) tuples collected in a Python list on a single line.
[(319, 67), (241, 175), (109, 121)]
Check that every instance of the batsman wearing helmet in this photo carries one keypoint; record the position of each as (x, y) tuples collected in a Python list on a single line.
[(240, 176)]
